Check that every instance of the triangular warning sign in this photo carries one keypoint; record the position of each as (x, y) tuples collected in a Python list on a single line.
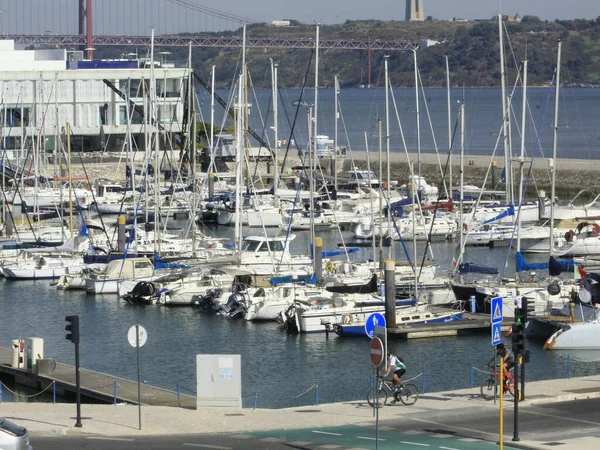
[(497, 334), (497, 312)]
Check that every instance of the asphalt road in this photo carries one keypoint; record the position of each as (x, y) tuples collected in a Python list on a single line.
[(464, 429)]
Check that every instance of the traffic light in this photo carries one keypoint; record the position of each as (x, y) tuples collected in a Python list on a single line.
[(518, 338), (73, 329), (527, 309)]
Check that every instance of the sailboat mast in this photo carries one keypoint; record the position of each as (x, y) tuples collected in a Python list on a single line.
[(275, 127), (449, 128), (335, 133), (507, 170), (554, 145), (211, 166), (387, 152), (313, 170), (238, 164), (462, 171), (522, 156), (380, 136), (418, 119)]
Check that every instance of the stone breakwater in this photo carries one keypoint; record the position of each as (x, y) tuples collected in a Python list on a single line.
[(572, 175)]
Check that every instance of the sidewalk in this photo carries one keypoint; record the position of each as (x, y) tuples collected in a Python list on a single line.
[(122, 420)]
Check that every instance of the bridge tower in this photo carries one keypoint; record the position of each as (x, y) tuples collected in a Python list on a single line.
[(85, 26), (414, 10)]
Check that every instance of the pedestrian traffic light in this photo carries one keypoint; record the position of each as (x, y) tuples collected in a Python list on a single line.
[(73, 329), (518, 338)]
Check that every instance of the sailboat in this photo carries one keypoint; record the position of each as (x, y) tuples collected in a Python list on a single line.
[(581, 335)]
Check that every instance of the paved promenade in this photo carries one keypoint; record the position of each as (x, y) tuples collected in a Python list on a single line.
[(122, 420)]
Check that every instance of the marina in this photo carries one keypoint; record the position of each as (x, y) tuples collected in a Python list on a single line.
[(236, 251)]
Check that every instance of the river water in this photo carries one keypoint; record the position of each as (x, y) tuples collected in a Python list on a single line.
[(359, 109), (277, 367)]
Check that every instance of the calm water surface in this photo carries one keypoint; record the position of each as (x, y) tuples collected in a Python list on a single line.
[(578, 135), (275, 365)]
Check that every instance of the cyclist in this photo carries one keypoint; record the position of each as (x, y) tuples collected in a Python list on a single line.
[(506, 359), (396, 366)]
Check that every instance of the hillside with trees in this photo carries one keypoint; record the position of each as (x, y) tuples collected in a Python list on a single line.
[(471, 46)]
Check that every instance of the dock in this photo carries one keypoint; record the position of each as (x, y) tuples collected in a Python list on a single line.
[(95, 386), (470, 323)]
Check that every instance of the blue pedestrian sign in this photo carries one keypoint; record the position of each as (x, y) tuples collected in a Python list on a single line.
[(496, 310), (496, 333), (375, 319)]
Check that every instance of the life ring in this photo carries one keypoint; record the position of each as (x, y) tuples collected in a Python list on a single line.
[(346, 318), (329, 267)]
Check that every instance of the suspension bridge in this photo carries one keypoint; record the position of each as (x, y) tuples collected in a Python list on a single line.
[(89, 24)]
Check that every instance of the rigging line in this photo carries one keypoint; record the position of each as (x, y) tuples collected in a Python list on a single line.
[(435, 146), (388, 201), (297, 111), (211, 11), (479, 198), (530, 172)]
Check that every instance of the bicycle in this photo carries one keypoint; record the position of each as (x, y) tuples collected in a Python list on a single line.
[(489, 387), (407, 393)]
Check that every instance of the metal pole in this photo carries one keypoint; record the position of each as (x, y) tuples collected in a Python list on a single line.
[(77, 386), (137, 344), (516, 413), (377, 409)]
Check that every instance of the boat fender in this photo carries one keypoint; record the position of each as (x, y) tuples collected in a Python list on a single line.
[(330, 267)]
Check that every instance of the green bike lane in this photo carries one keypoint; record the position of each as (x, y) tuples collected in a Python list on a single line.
[(361, 437)]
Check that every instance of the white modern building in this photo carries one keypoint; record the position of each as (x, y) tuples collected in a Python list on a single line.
[(43, 90)]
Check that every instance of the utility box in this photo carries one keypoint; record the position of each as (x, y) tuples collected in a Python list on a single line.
[(34, 350), (219, 381), (18, 354)]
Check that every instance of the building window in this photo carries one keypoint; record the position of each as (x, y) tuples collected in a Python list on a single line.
[(16, 117), (135, 118)]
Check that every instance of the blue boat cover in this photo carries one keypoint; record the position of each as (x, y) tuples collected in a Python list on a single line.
[(555, 267), (476, 268), (308, 279)]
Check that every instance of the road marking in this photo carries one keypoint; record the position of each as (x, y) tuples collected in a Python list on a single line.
[(470, 430), (94, 438), (414, 443), (469, 439), (369, 438), (449, 448), (241, 436), (327, 432), (561, 417), (329, 446), (216, 447)]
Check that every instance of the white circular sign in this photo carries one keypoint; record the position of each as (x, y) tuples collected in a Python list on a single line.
[(132, 335)]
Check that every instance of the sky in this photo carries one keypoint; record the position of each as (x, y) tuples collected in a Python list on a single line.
[(138, 17)]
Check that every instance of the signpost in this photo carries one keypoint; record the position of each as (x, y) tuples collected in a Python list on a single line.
[(137, 337), (497, 317), (376, 352), (375, 319)]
